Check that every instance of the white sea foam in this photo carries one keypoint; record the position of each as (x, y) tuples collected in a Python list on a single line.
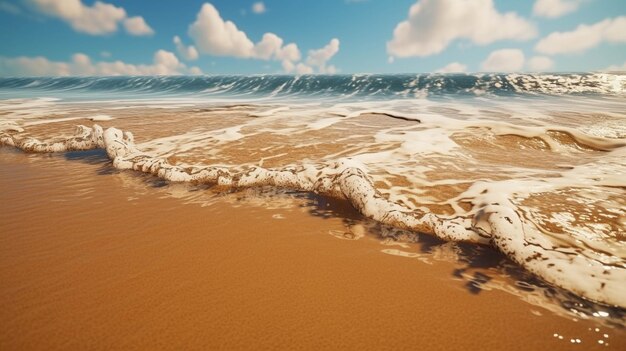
[(585, 257), (494, 219)]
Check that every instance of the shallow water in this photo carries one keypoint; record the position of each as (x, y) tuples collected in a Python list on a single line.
[(530, 165)]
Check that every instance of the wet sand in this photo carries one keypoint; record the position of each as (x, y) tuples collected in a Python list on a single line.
[(93, 258)]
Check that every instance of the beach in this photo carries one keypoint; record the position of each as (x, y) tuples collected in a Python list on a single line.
[(98, 259), (435, 215)]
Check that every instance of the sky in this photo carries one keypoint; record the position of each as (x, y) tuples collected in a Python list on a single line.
[(164, 37)]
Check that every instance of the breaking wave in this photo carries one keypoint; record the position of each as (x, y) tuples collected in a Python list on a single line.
[(358, 86)]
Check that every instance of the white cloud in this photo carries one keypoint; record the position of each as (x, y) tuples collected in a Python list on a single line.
[(540, 64), (98, 19), (504, 60), (189, 53), (288, 66), (271, 47), (105, 54), (616, 68), (215, 36), (289, 52), (318, 58), (164, 63), (258, 7), (195, 71), (32, 66), (212, 35), (301, 68), (167, 61), (454, 67), (433, 24), (137, 26), (584, 37), (555, 8)]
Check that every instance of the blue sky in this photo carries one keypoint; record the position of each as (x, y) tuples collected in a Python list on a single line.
[(43, 36)]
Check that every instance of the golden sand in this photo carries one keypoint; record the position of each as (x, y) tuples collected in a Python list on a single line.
[(92, 258)]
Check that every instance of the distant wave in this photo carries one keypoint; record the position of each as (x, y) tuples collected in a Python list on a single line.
[(358, 86)]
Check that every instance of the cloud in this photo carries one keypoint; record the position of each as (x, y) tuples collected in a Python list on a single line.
[(616, 68), (540, 64), (137, 26), (555, 8), (584, 37), (504, 60), (215, 36), (289, 52), (454, 67), (212, 35), (189, 53), (301, 68), (288, 66), (270, 47), (316, 59), (319, 57), (164, 63), (98, 19), (258, 7), (433, 24)]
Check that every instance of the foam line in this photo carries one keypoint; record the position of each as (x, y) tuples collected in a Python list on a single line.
[(497, 222), (504, 128)]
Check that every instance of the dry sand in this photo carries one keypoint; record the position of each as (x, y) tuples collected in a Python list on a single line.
[(91, 258)]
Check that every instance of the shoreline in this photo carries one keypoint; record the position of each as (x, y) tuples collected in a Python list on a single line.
[(78, 272), (496, 222)]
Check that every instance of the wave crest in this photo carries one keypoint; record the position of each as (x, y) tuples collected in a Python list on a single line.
[(330, 86)]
